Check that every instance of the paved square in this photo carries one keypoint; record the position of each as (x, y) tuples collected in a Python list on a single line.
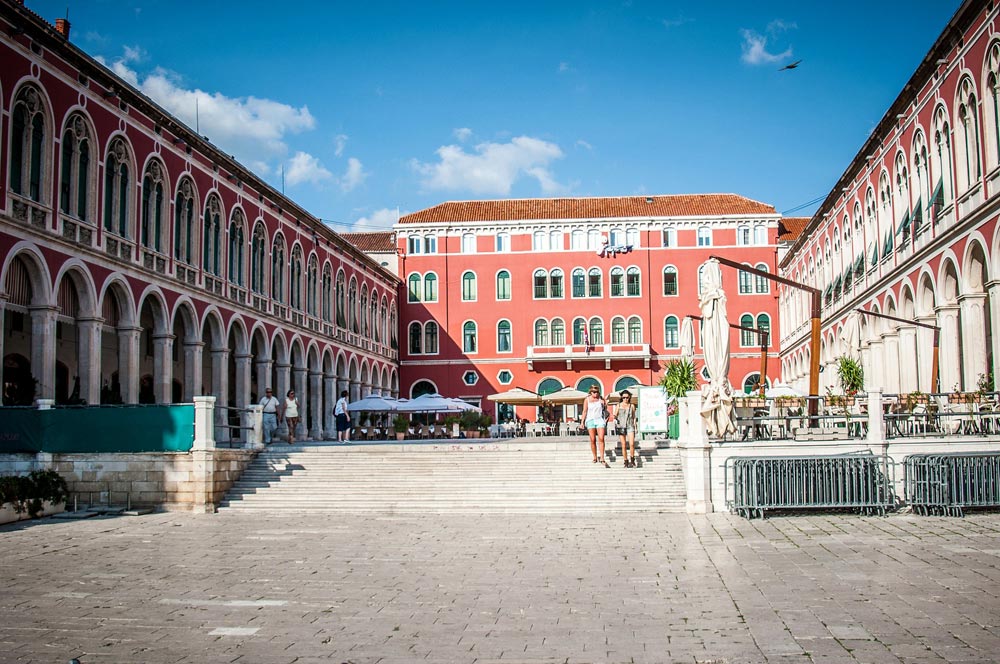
[(642, 588)]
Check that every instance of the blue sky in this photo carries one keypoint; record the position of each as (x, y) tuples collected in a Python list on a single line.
[(374, 107)]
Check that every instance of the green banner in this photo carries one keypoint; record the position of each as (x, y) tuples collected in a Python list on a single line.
[(168, 428)]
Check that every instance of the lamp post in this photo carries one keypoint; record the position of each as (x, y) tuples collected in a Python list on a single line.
[(937, 340), (816, 298)]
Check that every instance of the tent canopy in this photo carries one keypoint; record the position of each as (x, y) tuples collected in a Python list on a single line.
[(373, 404), (517, 396)]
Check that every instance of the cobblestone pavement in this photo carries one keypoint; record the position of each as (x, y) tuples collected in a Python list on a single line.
[(644, 588)]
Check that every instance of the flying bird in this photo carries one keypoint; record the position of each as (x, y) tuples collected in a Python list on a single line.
[(791, 66)]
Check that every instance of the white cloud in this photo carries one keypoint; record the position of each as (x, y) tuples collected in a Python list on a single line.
[(340, 141), (492, 168), (564, 67), (676, 22), (755, 49), (253, 129), (304, 167), (584, 144), (379, 220), (462, 133), (354, 176)]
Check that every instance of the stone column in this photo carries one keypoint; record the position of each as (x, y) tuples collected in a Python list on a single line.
[(866, 364), (3, 311), (193, 351), (696, 455), (300, 379), (241, 390), (973, 320), (128, 363), (315, 405), (876, 424), (220, 386), (925, 353), (908, 358), (951, 371), (282, 383), (263, 368), (203, 456), (890, 344), (163, 367), (329, 389), (89, 358), (43, 350), (993, 289), (877, 351)]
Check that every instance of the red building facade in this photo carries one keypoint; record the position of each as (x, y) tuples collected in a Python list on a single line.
[(139, 263), (545, 293)]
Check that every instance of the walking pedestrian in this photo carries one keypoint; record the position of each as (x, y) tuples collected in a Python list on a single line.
[(625, 426), (343, 420), (595, 410), (270, 405), (290, 413)]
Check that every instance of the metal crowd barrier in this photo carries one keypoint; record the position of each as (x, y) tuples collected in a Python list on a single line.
[(850, 481), (947, 484)]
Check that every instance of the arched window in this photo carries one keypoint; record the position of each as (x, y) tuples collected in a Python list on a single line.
[(920, 192), (413, 288), (430, 244), (617, 330), (704, 236), (541, 332), (633, 279), (416, 336), (365, 327), (376, 325), (28, 145), (503, 337), (540, 280), (584, 384), (431, 338), (558, 329), (669, 280), (761, 284), (701, 273), (469, 340), (745, 282), (669, 237), (75, 176), (116, 199), (342, 298), (670, 337), (503, 285), (594, 241), (556, 283), (596, 327), (393, 342), (579, 279), (548, 386), (968, 119), (312, 274), (258, 257), (415, 244), (764, 325), (617, 237), (617, 282), (760, 234), (942, 194), (635, 330), (430, 287), (503, 243), (578, 240), (211, 242), (579, 331), (151, 222), (555, 241), (469, 287), (594, 282), (632, 237), (991, 95), (352, 306), (237, 242), (184, 222), (278, 267), (539, 241), (747, 338), (328, 293), (295, 279), (743, 235), (468, 243)]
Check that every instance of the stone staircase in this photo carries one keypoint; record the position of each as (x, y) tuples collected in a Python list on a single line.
[(553, 476)]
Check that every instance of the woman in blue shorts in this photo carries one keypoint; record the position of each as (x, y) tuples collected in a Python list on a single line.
[(595, 410)]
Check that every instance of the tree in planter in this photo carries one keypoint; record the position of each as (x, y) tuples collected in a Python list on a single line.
[(400, 424), (470, 423)]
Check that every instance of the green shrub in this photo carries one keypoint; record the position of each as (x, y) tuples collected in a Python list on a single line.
[(27, 492)]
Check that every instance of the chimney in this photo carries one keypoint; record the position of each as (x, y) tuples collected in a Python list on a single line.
[(62, 27)]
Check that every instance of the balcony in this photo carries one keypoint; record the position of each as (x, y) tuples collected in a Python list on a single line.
[(29, 212), (606, 353)]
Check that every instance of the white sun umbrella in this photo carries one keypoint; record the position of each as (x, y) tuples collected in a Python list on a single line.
[(717, 406), (373, 404), (427, 403), (567, 395), (687, 338), (782, 390), (850, 335), (461, 405), (517, 396)]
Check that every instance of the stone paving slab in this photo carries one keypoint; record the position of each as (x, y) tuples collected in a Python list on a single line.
[(172, 588)]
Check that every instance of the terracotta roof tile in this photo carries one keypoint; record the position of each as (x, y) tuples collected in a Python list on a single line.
[(688, 205), (377, 242), (789, 228)]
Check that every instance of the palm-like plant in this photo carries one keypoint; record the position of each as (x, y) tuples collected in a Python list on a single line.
[(679, 377)]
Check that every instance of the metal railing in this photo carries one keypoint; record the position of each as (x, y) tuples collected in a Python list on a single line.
[(947, 484), (941, 414), (859, 482), (778, 418)]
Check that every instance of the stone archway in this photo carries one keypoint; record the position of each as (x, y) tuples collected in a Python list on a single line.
[(975, 316), (949, 319), (187, 354), (78, 339), (155, 351), (215, 370), (29, 331)]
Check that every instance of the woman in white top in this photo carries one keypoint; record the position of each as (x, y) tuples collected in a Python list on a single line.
[(595, 416), (290, 411)]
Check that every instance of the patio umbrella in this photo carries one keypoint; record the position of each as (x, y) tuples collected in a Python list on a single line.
[(782, 390), (687, 338), (567, 395), (850, 335), (717, 405), (427, 403), (460, 405), (373, 404), (517, 396), (616, 396)]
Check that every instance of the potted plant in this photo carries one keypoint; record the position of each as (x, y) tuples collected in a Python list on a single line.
[(485, 422), (400, 424), (913, 399), (470, 423), (678, 379), (851, 375), (451, 425)]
